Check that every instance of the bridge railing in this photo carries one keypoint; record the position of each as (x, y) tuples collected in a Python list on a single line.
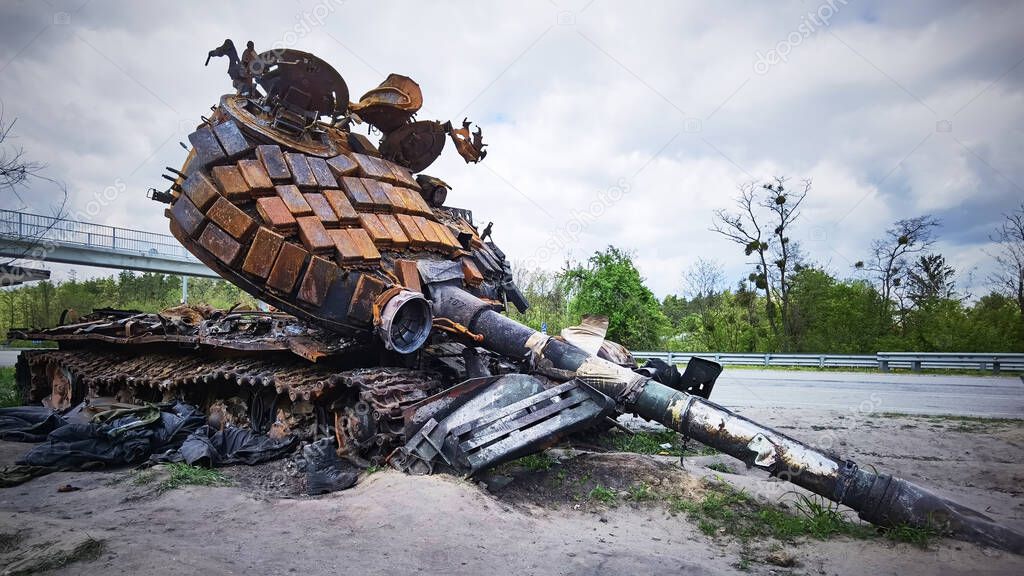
[(41, 229), (883, 361)]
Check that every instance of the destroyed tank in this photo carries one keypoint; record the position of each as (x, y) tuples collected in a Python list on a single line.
[(387, 334)]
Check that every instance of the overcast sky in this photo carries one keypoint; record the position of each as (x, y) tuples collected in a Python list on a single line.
[(607, 122)]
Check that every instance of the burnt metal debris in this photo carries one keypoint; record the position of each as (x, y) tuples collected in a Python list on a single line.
[(389, 343)]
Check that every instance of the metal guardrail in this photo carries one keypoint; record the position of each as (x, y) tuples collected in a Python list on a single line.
[(43, 229), (883, 361)]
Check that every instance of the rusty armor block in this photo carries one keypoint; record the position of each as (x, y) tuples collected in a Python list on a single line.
[(318, 278), (366, 247), (229, 180), (262, 252), (357, 193), (342, 166), (378, 194), (322, 209), (200, 190), (347, 250), (273, 161), (231, 139), (286, 268), (187, 215), (302, 176), (220, 244), (274, 212), (412, 231), (342, 207), (398, 238), (366, 292), (229, 217), (206, 147), (408, 274), (314, 235), (255, 175), (373, 226), (322, 172), (293, 199)]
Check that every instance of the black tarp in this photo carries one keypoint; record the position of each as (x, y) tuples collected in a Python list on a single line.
[(209, 448), (28, 423)]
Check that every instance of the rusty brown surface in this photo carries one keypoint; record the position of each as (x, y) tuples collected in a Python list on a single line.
[(231, 219), (322, 209), (357, 193), (302, 176), (342, 166), (274, 212), (322, 172), (187, 216), (317, 280), (219, 243), (341, 206), (200, 190), (313, 235), (262, 252), (273, 161), (373, 226), (347, 249), (256, 177), (285, 271), (231, 183), (293, 199)]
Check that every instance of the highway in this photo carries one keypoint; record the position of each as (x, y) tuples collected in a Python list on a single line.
[(988, 396)]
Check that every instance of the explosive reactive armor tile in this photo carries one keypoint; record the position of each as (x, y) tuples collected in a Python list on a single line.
[(471, 273), (187, 215), (346, 248), (398, 238), (231, 139), (342, 207), (322, 209), (318, 278), (373, 226), (200, 190), (378, 194), (342, 166), (314, 235), (206, 147), (366, 247), (273, 161), (229, 217), (322, 172), (275, 213), (220, 244), (229, 180), (412, 231), (367, 290), (293, 199), (255, 175), (302, 176), (287, 267), (408, 274), (357, 193), (262, 252)]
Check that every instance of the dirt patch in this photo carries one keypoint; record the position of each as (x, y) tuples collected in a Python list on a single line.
[(594, 482)]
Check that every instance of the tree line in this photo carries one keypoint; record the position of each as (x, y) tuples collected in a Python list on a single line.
[(903, 296)]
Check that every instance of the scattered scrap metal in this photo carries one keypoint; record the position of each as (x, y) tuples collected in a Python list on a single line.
[(391, 345)]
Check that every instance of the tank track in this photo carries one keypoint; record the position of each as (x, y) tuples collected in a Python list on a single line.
[(361, 408)]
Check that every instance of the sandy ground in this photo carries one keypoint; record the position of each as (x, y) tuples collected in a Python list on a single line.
[(396, 524)]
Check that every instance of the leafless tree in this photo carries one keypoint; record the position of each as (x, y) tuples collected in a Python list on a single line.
[(17, 173), (762, 225), (703, 281), (888, 263), (1008, 278)]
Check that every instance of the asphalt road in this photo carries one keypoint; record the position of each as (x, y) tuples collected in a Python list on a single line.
[(989, 396)]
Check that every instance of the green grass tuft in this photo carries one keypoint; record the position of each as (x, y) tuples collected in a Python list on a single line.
[(8, 389), (536, 462), (648, 442), (184, 475), (720, 467), (919, 536), (603, 495)]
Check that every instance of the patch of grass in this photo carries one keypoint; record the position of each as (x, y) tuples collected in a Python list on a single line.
[(603, 495), (641, 492), (184, 475), (8, 389), (725, 511), (143, 477), (720, 467), (52, 557), (915, 535), (652, 442), (536, 462), (373, 469)]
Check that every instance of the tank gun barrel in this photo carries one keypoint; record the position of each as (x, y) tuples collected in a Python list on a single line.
[(881, 499)]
